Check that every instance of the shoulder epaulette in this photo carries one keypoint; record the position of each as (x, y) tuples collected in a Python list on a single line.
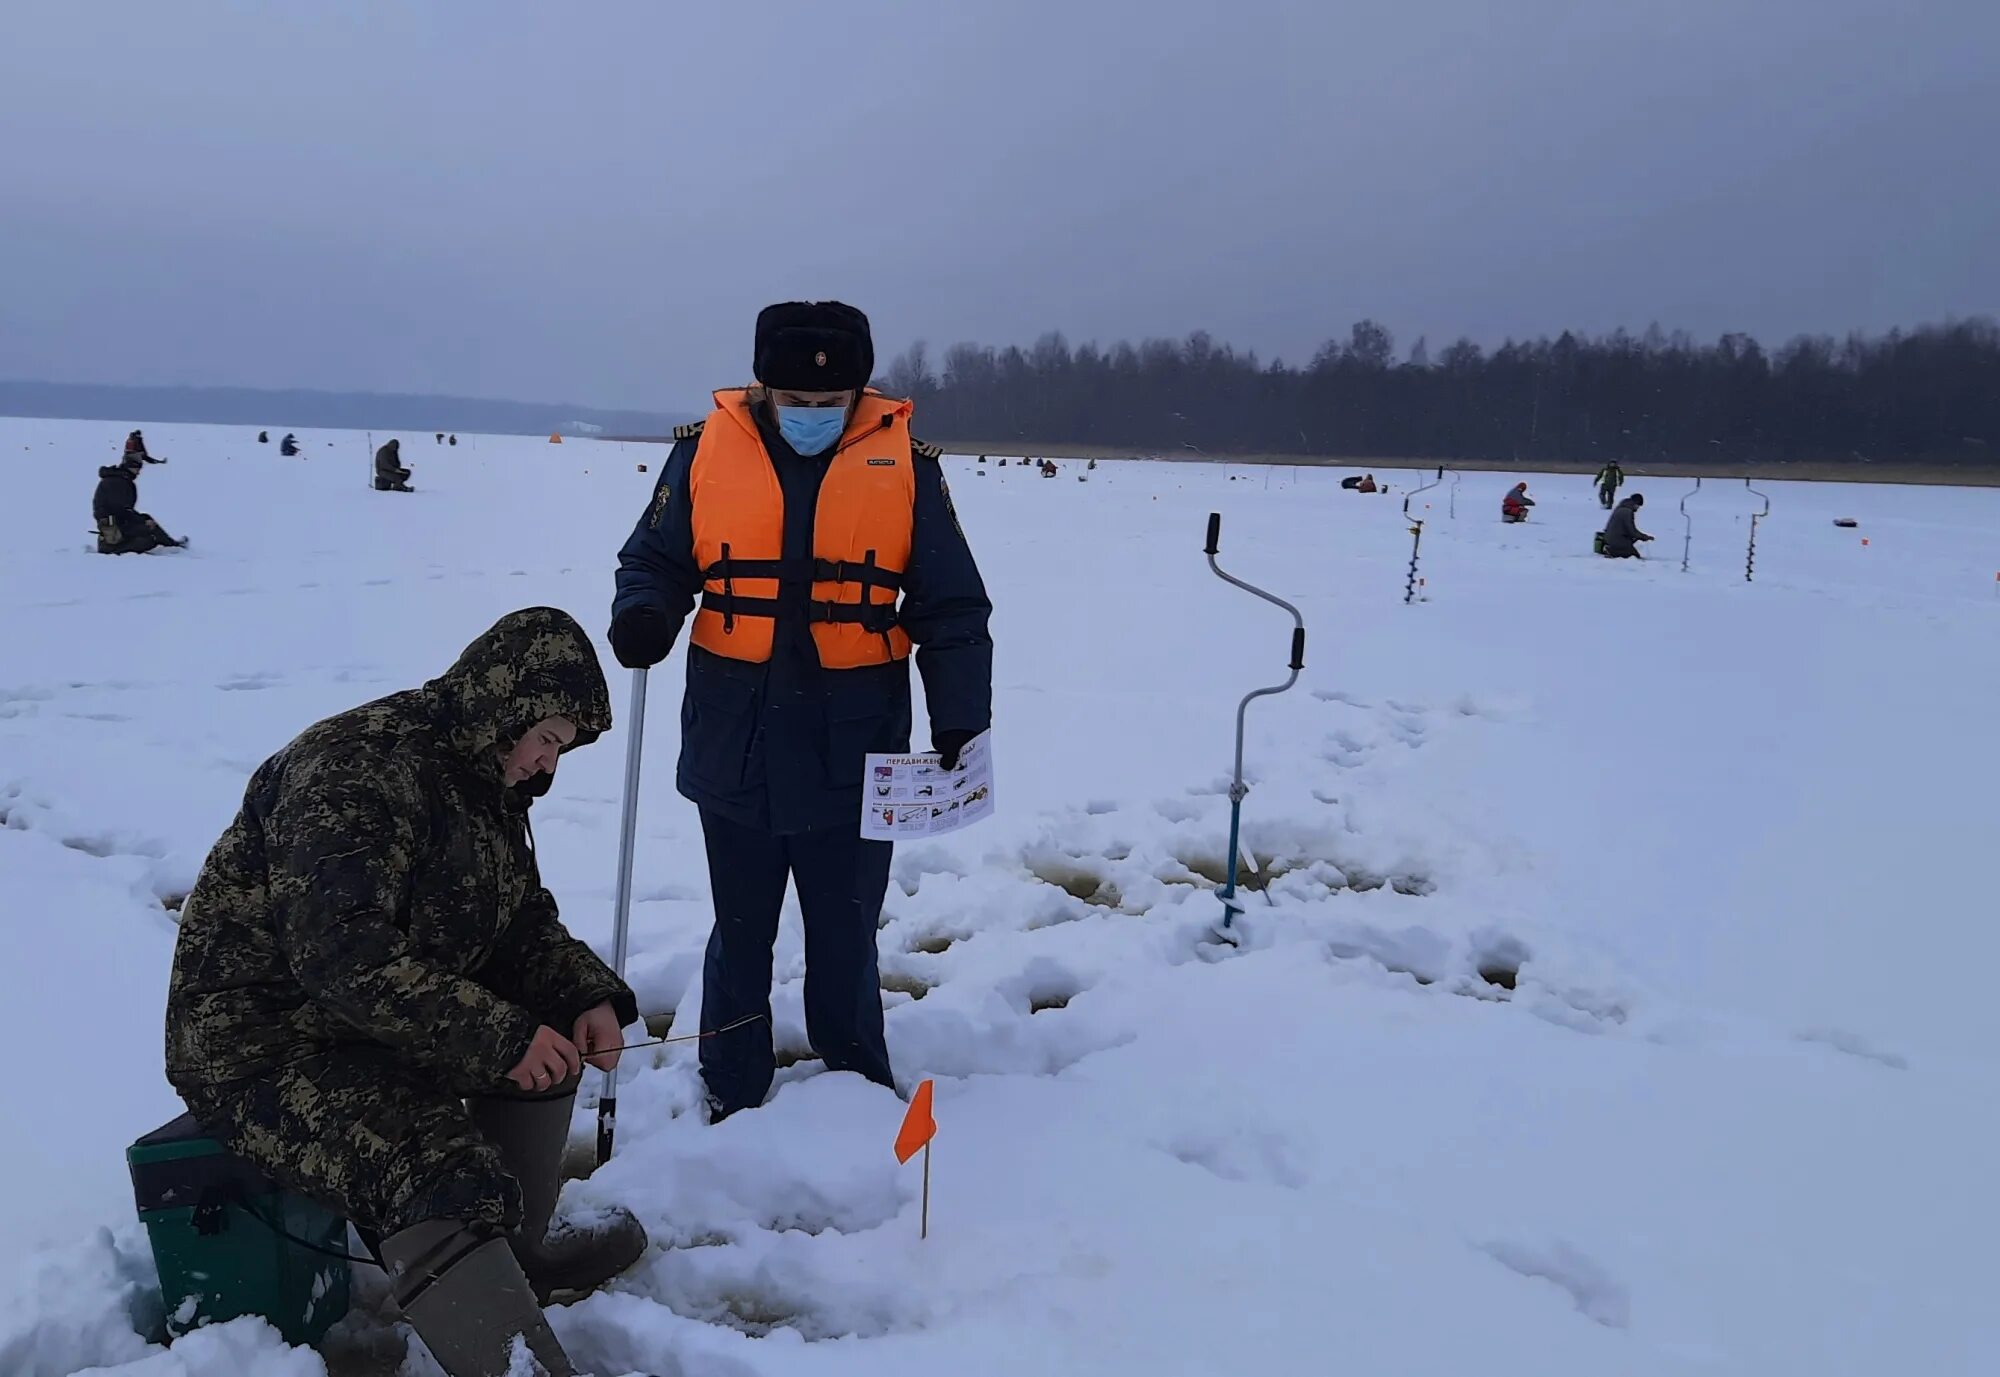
[(924, 449), (690, 431)]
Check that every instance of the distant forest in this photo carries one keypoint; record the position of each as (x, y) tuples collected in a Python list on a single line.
[(1931, 394)]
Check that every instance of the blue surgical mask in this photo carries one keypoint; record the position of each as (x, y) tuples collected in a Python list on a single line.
[(811, 429)]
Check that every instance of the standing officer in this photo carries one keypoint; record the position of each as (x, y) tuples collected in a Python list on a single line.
[(819, 542)]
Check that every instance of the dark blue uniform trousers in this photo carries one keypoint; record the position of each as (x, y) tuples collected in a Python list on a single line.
[(841, 880)]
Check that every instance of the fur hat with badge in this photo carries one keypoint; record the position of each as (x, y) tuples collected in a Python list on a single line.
[(814, 346)]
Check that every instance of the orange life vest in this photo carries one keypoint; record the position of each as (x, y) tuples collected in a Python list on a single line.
[(861, 537)]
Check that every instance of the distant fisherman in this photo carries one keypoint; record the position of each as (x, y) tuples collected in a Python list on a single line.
[(1610, 479), (122, 529), (390, 473), (135, 448), (1622, 536)]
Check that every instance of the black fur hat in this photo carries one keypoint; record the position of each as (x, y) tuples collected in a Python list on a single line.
[(813, 346)]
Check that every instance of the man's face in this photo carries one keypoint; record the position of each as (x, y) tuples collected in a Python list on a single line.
[(538, 749)]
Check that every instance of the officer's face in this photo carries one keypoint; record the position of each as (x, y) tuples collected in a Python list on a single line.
[(537, 750)]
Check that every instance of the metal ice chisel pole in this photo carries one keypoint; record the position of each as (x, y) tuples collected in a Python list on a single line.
[(628, 826), (1237, 789)]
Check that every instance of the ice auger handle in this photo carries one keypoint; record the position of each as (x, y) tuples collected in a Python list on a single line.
[(1224, 930)]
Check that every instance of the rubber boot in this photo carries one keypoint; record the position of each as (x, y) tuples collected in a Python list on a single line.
[(462, 1291), (531, 1132)]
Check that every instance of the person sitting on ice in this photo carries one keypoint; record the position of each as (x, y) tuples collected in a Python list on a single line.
[(1622, 536), (263, 437), (390, 474), (1514, 506), (374, 1001), (289, 446), (122, 529)]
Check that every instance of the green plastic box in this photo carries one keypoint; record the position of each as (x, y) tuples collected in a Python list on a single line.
[(216, 1224)]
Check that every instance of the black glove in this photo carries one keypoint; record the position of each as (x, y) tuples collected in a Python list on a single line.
[(640, 637), (948, 744)]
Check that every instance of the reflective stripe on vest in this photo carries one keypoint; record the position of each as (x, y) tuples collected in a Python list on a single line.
[(861, 537)]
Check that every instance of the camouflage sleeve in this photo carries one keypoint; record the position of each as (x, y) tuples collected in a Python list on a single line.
[(341, 840), (551, 972)]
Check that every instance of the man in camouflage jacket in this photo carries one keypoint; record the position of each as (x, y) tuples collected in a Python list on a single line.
[(370, 944)]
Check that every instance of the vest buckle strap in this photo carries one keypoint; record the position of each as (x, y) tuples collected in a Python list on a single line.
[(730, 606), (751, 569), (867, 573), (879, 618)]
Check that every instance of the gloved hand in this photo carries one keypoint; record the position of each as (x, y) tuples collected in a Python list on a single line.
[(640, 637), (948, 744)]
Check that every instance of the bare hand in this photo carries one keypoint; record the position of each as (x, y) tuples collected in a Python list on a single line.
[(551, 1058), (596, 1030)]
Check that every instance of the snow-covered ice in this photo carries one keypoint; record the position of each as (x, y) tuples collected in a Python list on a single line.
[(1617, 992)]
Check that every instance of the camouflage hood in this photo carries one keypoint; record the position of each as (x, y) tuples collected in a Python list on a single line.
[(529, 665)]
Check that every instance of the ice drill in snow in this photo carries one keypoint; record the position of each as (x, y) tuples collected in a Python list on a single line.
[(1417, 534), (628, 824), (1687, 541), (1750, 556), (1225, 927)]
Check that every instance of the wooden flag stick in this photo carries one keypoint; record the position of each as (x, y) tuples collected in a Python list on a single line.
[(925, 1230)]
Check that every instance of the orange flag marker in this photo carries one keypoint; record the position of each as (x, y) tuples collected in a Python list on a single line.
[(916, 1133)]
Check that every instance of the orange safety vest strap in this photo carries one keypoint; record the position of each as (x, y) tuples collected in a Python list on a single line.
[(873, 617), (814, 571)]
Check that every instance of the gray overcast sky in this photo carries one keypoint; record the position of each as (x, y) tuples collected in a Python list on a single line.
[(588, 202)]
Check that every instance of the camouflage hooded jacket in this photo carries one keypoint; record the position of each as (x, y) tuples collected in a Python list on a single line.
[(378, 885)]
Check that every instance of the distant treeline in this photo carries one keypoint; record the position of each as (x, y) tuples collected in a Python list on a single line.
[(302, 410), (1931, 394)]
